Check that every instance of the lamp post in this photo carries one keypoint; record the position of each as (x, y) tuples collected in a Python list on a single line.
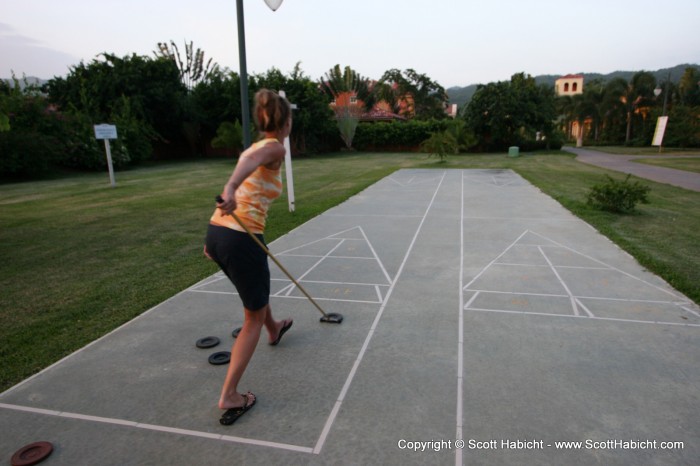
[(245, 106), (661, 123)]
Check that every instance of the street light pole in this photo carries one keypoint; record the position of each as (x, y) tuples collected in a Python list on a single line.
[(245, 104)]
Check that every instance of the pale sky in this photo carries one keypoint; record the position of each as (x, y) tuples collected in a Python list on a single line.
[(454, 42)]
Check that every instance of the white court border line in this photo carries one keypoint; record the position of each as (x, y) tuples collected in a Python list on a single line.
[(460, 330), (208, 435)]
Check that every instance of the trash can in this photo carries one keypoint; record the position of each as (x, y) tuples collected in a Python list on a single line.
[(513, 151)]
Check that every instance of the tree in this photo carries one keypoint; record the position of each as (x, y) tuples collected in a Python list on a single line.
[(351, 95), (416, 95), (314, 128), (581, 108), (94, 93), (31, 140), (689, 87), (632, 97), (511, 112), (336, 82)]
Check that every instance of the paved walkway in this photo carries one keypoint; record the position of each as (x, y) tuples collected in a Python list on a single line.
[(484, 324), (625, 164)]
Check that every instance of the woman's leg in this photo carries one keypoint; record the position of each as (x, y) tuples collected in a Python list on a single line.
[(241, 353), (274, 327)]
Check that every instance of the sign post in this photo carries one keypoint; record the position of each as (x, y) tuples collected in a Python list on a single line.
[(107, 132), (288, 166)]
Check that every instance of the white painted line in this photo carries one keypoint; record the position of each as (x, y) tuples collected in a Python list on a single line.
[(561, 280), (495, 260), (372, 215), (140, 316), (524, 293), (315, 265), (582, 306), (157, 428), (284, 291), (329, 237), (332, 257), (47, 412), (471, 300), (215, 278), (634, 321), (533, 219), (460, 328), (379, 293), (360, 356), (322, 282), (374, 253), (685, 308), (610, 266), (335, 300), (627, 300), (512, 264)]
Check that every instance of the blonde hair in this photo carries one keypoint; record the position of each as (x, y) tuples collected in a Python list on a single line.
[(271, 111)]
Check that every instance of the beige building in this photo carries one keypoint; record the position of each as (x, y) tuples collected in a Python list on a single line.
[(570, 84)]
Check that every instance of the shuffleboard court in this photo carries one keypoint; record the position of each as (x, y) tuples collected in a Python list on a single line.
[(484, 324)]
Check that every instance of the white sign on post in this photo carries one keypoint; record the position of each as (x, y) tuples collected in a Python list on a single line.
[(288, 166), (660, 130), (107, 132)]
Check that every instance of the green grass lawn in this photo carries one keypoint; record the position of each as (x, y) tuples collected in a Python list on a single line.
[(690, 164), (648, 150), (80, 258)]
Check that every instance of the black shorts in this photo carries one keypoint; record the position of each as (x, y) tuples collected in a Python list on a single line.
[(244, 262)]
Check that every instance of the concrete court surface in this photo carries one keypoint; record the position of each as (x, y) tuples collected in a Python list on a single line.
[(477, 310)]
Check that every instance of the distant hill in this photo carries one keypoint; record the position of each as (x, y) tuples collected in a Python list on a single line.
[(26, 81), (462, 95)]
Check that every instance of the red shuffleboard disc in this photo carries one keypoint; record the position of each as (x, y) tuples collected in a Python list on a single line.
[(32, 454)]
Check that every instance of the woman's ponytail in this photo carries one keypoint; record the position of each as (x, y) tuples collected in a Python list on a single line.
[(271, 111)]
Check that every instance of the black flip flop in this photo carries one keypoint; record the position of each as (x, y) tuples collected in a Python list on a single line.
[(283, 330), (232, 414)]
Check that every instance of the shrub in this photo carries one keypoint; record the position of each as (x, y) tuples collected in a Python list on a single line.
[(440, 144), (397, 135), (26, 154), (618, 196), (228, 136)]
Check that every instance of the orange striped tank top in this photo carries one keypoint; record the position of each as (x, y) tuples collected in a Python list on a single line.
[(253, 198)]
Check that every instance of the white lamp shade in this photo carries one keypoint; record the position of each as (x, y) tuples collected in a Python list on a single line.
[(273, 4)]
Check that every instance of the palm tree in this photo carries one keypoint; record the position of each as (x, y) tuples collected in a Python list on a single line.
[(351, 94), (631, 95), (193, 69), (594, 95)]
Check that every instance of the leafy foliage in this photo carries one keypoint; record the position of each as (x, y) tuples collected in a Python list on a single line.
[(229, 136), (511, 113), (618, 196), (397, 135), (343, 88), (440, 144), (453, 140), (415, 94), (313, 129), (30, 140), (95, 93)]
